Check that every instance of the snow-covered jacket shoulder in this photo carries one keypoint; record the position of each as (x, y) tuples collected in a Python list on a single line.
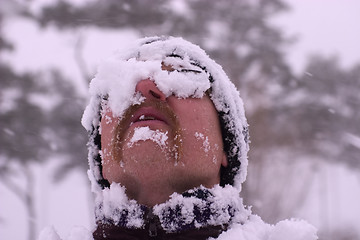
[(256, 229)]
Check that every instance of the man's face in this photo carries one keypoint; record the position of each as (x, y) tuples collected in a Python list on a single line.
[(164, 143)]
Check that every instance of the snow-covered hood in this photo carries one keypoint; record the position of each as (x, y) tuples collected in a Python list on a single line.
[(116, 80)]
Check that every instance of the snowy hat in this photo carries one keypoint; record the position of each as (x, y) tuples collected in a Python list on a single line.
[(116, 80)]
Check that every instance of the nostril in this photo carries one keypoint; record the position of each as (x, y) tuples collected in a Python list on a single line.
[(149, 90), (154, 94)]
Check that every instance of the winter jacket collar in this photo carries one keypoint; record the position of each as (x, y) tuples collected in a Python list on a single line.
[(196, 209), (112, 232)]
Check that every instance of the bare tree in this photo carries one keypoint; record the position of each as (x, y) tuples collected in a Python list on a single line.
[(39, 114)]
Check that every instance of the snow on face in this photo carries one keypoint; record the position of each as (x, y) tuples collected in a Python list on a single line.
[(117, 79), (114, 87), (145, 148), (206, 145), (145, 133)]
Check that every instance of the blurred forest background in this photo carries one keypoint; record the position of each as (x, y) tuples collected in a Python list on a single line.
[(304, 127)]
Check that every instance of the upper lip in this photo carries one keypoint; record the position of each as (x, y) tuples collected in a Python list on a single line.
[(149, 113)]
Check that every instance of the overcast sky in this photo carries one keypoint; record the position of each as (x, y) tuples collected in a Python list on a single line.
[(328, 27)]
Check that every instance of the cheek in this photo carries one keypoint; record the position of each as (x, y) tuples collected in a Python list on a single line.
[(108, 125), (202, 137), (107, 136)]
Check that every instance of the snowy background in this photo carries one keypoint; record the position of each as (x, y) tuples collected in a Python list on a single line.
[(298, 70)]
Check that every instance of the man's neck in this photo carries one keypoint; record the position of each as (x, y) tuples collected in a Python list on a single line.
[(155, 191), (151, 193)]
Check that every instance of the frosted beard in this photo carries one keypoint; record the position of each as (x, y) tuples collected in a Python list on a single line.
[(169, 142)]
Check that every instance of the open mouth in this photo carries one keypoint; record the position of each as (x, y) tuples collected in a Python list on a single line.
[(145, 118), (148, 115)]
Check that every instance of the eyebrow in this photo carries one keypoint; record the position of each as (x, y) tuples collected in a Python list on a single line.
[(174, 55), (188, 70)]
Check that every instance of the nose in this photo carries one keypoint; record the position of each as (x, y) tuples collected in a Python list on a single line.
[(149, 90)]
